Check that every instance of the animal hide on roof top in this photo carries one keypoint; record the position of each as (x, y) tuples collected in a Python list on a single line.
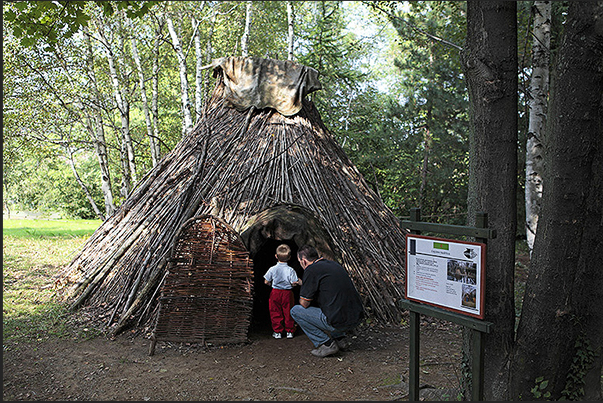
[(266, 83)]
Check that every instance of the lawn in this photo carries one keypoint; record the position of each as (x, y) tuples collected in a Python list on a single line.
[(33, 253)]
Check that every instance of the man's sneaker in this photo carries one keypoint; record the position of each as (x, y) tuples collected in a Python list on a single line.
[(343, 343), (289, 335), (276, 335), (325, 350)]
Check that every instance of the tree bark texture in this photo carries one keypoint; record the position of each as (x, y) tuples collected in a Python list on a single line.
[(560, 334), (120, 90), (187, 125), (490, 64), (198, 69), (245, 37), (145, 104), (290, 25), (97, 131), (538, 99)]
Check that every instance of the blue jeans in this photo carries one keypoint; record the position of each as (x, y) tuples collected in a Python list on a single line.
[(314, 324)]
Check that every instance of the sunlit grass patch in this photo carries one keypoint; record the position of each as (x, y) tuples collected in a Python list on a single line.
[(34, 252)]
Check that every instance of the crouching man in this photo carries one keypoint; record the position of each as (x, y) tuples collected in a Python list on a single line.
[(329, 306)]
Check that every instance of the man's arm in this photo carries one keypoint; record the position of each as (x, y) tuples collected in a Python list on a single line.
[(304, 302)]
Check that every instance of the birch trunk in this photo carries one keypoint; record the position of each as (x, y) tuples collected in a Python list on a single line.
[(155, 84), (539, 88), (199, 70), (208, 50), (187, 126), (121, 103), (290, 37), (145, 104), (98, 131), (79, 180), (560, 333), (245, 37)]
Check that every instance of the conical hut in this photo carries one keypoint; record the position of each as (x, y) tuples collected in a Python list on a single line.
[(259, 169)]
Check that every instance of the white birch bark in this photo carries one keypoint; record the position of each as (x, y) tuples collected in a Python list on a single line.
[(187, 125), (121, 103), (79, 180), (539, 88), (290, 37), (145, 103), (155, 84), (209, 49), (199, 70), (97, 132), (245, 37)]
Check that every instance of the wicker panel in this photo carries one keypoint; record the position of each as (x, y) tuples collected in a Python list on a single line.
[(207, 294)]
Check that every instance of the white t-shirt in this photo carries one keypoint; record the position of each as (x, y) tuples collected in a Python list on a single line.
[(281, 275)]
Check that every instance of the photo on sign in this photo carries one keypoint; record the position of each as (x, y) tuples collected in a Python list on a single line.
[(464, 272), (469, 296)]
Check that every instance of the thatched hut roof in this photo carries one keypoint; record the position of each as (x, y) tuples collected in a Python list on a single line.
[(270, 177)]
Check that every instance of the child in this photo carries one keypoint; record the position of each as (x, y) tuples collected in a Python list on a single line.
[(282, 278)]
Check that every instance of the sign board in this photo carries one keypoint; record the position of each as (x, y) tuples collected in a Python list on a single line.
[(446, 273)]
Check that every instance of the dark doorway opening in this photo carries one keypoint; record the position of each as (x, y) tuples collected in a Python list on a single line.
[(285, 223), (263, 260)]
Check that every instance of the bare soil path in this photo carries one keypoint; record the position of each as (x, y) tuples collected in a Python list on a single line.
[(374, 368)]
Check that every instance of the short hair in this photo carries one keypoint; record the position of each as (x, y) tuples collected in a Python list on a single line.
[(307, 252), (283, 253)]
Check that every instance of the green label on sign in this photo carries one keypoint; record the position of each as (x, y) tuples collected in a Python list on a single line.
[(440, 245)]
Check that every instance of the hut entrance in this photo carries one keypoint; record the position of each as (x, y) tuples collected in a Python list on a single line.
[(207, 295), (285, 223)]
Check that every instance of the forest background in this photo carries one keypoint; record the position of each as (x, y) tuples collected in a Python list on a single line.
[(95, 93), (83, 118)]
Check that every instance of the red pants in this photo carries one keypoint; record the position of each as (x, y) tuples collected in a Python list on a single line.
[(279, 305)]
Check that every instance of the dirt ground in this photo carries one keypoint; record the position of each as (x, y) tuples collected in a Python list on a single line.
[(374, 368)]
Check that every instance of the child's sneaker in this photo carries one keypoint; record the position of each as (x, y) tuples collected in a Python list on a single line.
[(276, 335), (289, 335)]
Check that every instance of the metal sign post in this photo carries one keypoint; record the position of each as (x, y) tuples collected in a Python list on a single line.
[(478, 327)]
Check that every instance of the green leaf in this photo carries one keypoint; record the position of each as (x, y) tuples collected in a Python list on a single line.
[(544, 384), (10, 15)]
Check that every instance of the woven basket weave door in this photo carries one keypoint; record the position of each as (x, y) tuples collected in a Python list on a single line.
[(207, 295)]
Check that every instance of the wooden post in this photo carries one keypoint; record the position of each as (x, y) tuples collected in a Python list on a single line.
[(415, 328), (478, 327), (477, 366)]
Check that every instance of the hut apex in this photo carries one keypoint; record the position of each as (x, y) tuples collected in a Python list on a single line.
[(183, 258)]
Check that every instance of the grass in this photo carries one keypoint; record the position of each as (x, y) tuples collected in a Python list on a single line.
[(34, 252)]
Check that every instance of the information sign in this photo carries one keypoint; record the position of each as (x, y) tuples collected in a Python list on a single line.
[(446, 273)]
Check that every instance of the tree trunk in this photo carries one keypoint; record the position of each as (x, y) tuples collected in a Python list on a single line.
[(145, 104), (155, 84), (208, 50), (121, 103), (290, 24), (245, 37), (490, 65), (560, 333), (539, 90), (80, 182), (198, 70), (184, 87), (97, 132)]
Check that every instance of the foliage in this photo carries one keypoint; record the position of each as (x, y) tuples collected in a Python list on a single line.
[(538, 391), (375, 111), (431, 104), (52, 21), (581, 364), (33, 252)]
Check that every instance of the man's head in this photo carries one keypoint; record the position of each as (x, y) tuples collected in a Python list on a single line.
[(306, 255), (283, 253)]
